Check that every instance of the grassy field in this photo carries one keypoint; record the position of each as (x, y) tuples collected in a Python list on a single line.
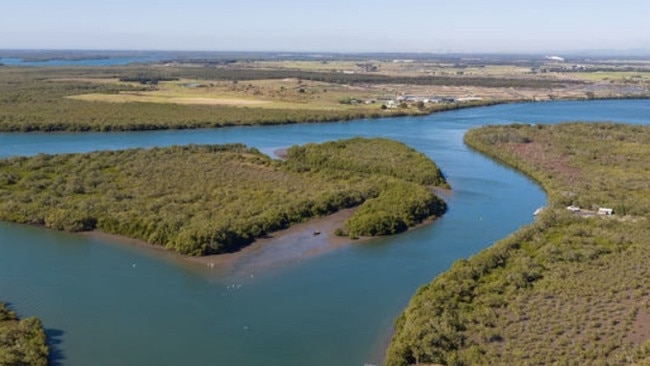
[(570, 289), (272, 94), (620, 76), (398, 67)]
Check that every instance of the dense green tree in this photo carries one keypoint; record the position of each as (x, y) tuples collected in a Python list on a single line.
[(213, 199), (22, 341)]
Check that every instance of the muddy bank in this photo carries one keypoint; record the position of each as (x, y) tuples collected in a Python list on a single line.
[(310, 238)]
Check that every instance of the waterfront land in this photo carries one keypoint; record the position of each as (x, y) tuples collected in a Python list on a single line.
[(571, 288), (563, 290), (200, 200), (218, 91)]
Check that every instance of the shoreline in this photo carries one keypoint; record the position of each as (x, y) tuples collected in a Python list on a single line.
[(83, 128), (343, 117), (536, 240), (298, 242), (295, 242)]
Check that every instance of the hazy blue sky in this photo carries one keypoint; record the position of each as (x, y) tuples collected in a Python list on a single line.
[(334, 25)]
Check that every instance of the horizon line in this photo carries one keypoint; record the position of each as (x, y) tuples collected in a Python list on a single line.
[(576, 52)]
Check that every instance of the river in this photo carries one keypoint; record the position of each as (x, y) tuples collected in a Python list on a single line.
[(82, 62), (106, 303)]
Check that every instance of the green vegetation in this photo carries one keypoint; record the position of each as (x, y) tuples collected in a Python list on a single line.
[(240, 74), (401, 202), (199, 90), (383, 156), (201, 200), (22, 342), (93, 99), (569, 289)]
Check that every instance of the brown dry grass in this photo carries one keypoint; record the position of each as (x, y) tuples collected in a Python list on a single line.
[(217, 101)]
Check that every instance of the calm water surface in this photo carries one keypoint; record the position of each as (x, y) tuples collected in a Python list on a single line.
[(108, 61), (106, 303)]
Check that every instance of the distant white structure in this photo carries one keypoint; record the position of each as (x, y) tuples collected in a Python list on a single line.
[(555, 58), (605, 211), (573, 208)]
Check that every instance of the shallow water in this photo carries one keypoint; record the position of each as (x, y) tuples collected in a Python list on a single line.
[(107, 303)]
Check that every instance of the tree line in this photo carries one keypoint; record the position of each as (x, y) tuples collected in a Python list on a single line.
[(365, 78)]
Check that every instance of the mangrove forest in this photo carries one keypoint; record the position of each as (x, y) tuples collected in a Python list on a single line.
[(211, 199), (573, 287)]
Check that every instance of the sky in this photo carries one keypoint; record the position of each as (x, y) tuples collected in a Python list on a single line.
[(451, 26)]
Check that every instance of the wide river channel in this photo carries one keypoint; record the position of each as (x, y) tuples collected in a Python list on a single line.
[(106, 303)]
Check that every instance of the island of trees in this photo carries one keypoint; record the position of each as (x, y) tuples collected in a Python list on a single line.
[(212, 199), (572, 288), (22, 341)]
